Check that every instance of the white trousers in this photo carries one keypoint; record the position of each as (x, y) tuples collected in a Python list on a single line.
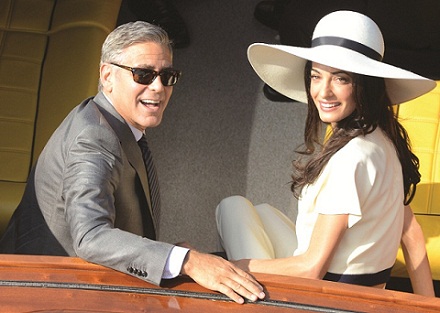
[(258, 232)]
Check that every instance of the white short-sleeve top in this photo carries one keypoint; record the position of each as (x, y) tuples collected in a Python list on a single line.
[(364, 180)]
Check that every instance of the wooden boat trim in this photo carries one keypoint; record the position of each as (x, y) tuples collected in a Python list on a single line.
[(297, 294)]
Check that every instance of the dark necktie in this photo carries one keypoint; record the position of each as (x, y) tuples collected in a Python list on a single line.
[(152, 180)]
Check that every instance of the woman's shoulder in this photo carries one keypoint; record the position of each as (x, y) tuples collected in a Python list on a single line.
[(374, 145)]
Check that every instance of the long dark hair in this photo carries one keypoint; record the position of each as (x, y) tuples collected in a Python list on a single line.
[(373, 109)]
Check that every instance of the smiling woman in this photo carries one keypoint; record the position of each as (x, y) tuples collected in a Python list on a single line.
[(353, 189), (332, 92)]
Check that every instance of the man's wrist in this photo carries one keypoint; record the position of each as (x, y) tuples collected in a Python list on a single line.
[(175, 262)]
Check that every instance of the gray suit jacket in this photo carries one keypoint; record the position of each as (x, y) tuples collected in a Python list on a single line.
[(88, 197)]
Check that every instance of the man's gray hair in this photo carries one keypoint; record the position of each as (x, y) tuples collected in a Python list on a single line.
[(129, 34)]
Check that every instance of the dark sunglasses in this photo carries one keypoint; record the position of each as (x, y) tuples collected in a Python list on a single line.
[(145, 76)]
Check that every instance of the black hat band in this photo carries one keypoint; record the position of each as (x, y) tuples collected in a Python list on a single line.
[(349, 44)]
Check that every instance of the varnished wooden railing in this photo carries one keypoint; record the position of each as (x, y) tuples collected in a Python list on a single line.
[(43, 283)]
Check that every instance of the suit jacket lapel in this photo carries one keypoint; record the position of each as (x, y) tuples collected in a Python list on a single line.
[(127, 140)]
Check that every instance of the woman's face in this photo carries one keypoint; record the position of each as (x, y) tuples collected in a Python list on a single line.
[(332, 92)]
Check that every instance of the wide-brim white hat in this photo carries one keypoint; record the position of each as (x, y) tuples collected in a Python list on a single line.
[(345, 40)]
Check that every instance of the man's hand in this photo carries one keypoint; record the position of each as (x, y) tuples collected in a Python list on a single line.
[(215, 273)]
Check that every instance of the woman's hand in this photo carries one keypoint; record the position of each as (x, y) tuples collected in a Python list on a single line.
[(242, 264)]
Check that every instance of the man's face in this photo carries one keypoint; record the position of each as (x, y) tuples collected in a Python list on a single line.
[(140, 105)]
